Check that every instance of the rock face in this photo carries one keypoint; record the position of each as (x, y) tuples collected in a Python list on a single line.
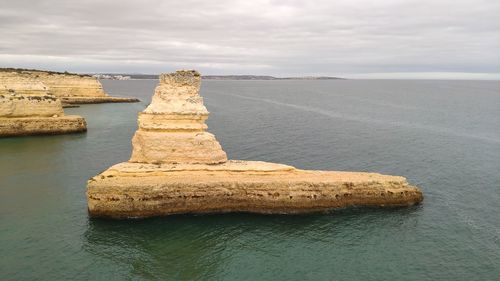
[(70, 88), (71, 85), (17, 105), (26, 108), (28, 126), (172, 129), (178, 167), (21, 84)]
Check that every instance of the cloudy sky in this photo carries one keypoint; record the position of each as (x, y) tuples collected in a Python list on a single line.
[(349, 38)]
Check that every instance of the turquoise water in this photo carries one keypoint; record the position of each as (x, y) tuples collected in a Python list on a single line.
[(444, 136)]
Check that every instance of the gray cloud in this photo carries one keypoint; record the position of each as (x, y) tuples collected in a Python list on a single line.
[(346, 38)]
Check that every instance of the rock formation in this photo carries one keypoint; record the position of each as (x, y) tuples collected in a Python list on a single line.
[(21, 84), (26, 108), (178, 167), (172, 129), (69, 87)]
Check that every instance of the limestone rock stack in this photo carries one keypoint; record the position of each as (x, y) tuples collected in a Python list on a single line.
[(178, 167), (172, 129), (27, 108)]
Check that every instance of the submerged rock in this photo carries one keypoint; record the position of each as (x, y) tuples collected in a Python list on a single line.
[(177, 167), (27, 108)]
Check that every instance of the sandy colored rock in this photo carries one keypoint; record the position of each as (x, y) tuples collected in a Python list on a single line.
[(27, 126), (11, 82), (172, 128), (17, 105), (27, 108), (68, 87), (78, 89), (91, 100), (143, 190), (71, 85), (177, 167)]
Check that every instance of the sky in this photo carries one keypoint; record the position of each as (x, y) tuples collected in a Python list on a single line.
[(443, 39)]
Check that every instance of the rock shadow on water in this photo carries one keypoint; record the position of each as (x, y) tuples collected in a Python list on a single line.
[(191, 247)]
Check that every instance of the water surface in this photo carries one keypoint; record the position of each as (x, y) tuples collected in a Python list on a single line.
[(444, 136)]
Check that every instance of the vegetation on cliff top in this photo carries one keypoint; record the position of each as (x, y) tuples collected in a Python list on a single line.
[(21, 70)]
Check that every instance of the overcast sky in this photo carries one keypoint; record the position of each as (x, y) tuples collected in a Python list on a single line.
[(378, 38)]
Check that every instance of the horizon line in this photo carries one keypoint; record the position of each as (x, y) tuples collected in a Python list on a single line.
[(360, 76)]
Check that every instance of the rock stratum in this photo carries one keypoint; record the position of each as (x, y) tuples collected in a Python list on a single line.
[(178, 167), (27, 108), (68, 87)]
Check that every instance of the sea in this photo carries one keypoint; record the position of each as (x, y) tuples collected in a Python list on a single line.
[(443, 136)]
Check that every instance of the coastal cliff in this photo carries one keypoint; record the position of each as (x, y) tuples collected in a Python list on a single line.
[(21, 84), (27, 108), (178, 167), (69, 87)]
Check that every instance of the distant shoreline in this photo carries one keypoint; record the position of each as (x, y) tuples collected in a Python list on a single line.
[(257, 77), (225, 77)]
